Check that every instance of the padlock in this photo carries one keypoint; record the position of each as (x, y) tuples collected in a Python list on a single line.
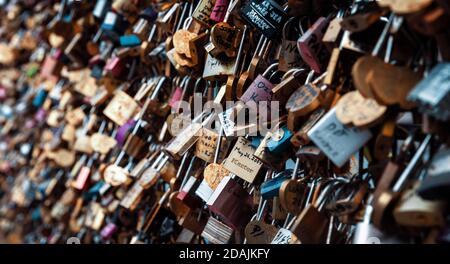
[(258, 60), (187, 137), (303, 101), (350, 198), (289, 55), (115, 66), (242, 162), (313, 216), (355, 110), (300, 138), (102, 143), (116, 175), (130, 41), (430, 20), (233, 78), (206, 146), (231, 202), (121, 108), (430, 100), (293, 192), (216, 232), (267, 16), (83, 175), (367, 233), (194, 221), (284, 236), (311, 47), (259, 232), (271, 188), (279, 141), (363, 15), (188, 189), (186, 236), (151, 175), (218, 69), (400, 7), (224, 38), (334, 31), (133, 196), (385, 201), (262, 153), (373, 77), (187, 46), (329, 131), (202, 12), (114, 24), (260, 90), (414, 211), (290, 81), (219, 11), (75, 50), (108, 230)]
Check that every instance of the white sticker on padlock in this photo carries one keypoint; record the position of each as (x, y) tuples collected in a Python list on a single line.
[(226, 122), (336, 140)]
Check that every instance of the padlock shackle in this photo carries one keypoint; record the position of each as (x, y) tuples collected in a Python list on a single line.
[(183, 162), (231, 5), (188, 171), (285, 27), (330, 185), (412, 164), (384, 33), (269, 69), (158, 87), (219, 142), (157, 160), (162, 163)]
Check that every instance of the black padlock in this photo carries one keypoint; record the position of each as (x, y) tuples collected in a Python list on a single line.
[(267, 16)]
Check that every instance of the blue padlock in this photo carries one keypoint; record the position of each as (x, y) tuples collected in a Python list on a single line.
[(36, 214), (255, 142), (94, 191), (130, 41), (40, 97), (271, 188), (279, 141)]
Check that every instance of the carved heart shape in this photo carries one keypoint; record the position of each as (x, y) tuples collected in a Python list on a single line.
[(354, 109)]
